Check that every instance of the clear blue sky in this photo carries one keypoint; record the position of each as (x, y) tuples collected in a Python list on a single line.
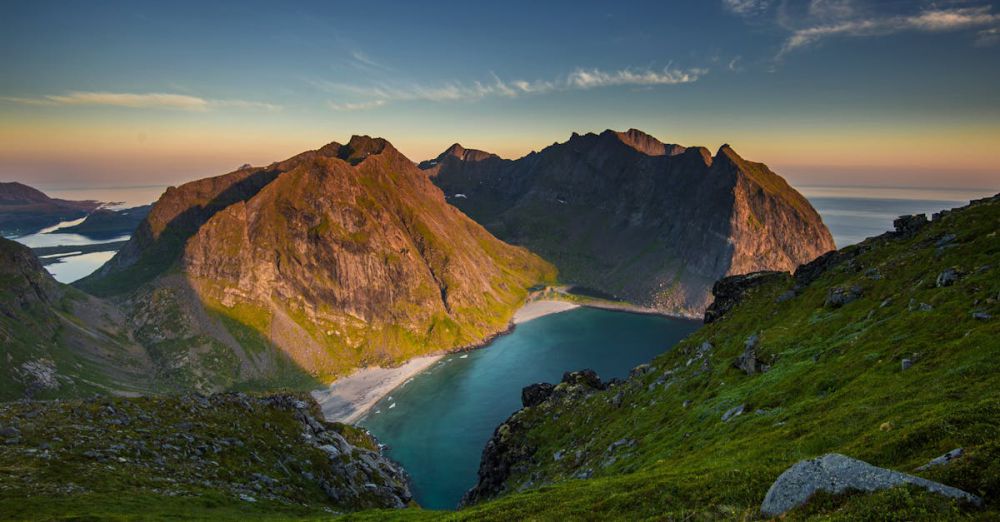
[(825, 91)]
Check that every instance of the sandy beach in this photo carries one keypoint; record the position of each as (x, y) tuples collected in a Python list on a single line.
[(542, 307), (347, 399)]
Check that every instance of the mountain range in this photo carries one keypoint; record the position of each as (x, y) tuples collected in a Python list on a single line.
[(652, 223), (351, 255)]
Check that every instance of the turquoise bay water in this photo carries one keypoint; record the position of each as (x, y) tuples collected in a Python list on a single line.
[(437, 424)]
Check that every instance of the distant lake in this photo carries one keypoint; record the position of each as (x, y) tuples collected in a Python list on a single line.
[(437, 424), (73, 267)]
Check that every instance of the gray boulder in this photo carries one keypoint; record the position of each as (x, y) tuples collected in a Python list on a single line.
[(947, 278), (840, 296), (836, 474), (749, 362)]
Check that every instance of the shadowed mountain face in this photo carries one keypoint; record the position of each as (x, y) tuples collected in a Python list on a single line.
[(650, 222), (56, 341), (336, 258), (24, 210)]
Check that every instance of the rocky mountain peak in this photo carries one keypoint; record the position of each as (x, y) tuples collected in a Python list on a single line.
[(647, 144), (357, 149), (678, 216)]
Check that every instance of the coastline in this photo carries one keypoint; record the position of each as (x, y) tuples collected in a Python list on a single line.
[(350, 398), (347, 399)]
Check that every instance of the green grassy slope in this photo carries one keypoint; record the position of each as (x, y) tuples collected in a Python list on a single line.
[(836, 384)]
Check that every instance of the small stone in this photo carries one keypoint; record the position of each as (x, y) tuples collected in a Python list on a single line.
[(638, 371), (686, 404), (885, 426), (733, 413), (873, 274), (10, 432), (943, 459), (787, 295), (981, 316), (945, 240), (886, 302), (557, 456), (906, 364), (948, 277)]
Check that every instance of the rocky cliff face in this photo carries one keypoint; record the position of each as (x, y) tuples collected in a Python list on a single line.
[(337, 258), (624, 213)]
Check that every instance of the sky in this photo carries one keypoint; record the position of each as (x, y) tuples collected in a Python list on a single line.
[(826, 92)]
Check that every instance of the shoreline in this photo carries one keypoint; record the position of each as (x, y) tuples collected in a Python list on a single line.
[(350, 398)]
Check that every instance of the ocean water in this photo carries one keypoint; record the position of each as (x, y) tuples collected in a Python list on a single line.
[(855, 213), (437, 424)]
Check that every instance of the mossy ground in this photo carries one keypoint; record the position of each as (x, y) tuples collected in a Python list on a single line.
[(187, 457)]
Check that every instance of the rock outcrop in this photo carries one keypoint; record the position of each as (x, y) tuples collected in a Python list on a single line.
[(835, 474), (507, 452), (730, 291), (652, 223)]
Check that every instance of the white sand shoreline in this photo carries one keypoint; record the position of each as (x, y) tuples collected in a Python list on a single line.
[(349, 398), (541, 308)]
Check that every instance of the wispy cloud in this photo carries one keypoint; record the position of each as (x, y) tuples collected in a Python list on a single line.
[(988, 37), (746, 7), (591, 78), (929, 20), (380, 93), (360, 106), (141, 101), (361, 60)]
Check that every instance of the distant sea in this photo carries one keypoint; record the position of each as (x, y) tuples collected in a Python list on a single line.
[(851, 213), (855, 213)]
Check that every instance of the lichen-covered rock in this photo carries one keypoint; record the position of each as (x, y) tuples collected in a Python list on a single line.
[(835, 474)]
